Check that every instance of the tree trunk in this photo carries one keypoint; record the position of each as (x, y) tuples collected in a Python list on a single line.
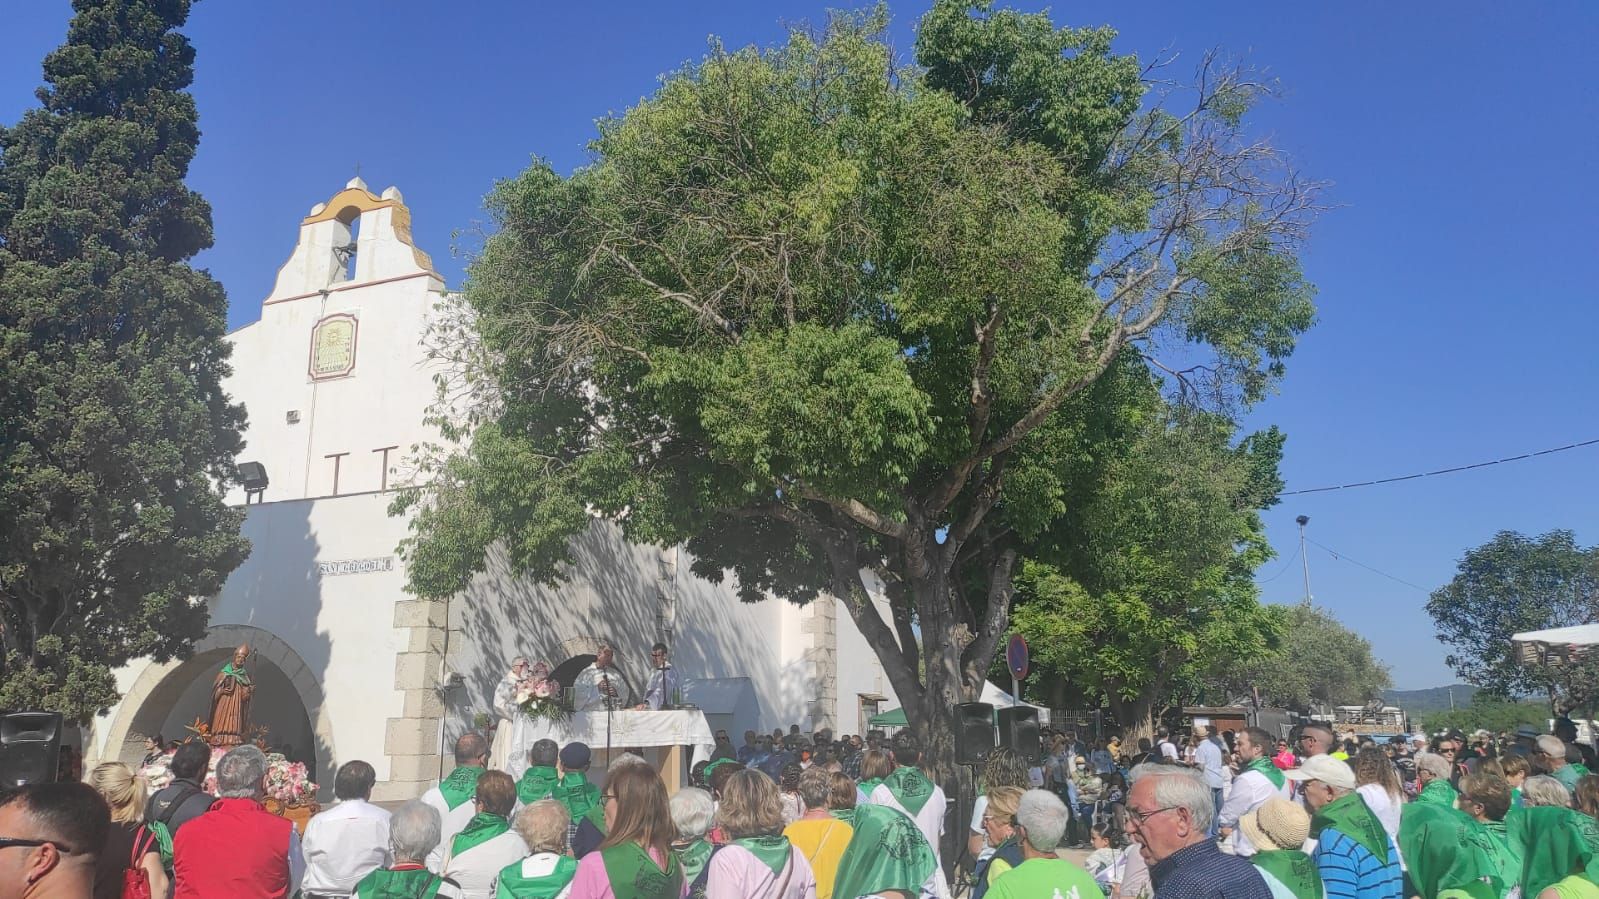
[(1136, 716)]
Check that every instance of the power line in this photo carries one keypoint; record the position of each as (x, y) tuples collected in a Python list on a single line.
[(1457, 468), (1291, 560), (1345, 558)]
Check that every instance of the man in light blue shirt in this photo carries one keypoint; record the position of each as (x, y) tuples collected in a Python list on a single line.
[(1207, 758)]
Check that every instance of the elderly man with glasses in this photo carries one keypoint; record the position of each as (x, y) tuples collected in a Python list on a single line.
[(1354, 854), (1169, 813)]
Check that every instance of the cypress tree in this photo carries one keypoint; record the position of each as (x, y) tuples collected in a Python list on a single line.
[(116, 439)]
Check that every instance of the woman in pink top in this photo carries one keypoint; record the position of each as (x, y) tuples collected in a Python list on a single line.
[(758, 862), (636, 860)]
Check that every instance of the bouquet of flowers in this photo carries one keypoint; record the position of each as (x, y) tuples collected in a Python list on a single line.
[(539, 697), (287, 781)]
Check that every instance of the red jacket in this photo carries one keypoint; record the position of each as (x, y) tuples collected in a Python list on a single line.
[(237, 850)]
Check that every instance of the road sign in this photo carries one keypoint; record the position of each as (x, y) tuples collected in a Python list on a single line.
[(1016, 656)]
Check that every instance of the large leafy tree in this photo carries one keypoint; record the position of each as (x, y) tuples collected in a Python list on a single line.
[(815, 313), (1516, 583), (1151, 578), (1318, 663), (115, 435)]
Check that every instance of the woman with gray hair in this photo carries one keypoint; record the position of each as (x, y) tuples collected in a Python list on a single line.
[(1432, 773), (1545, 790), (547, 871), (1041, 820), (413, 833), (692, 814)]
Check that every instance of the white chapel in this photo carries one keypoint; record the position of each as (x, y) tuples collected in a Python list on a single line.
[(335, 379)]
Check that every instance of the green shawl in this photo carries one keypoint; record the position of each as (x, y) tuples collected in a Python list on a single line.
[(870, 784), (847, 815), (482, 828), (459, 786), (634, 875), (1294, 870), (887, 852), (1553, 847), (513, 885), (910, 787), (1273, 775), (1589, 827), (774, 852), (1503, 852), (536, 783), (576, 793), (239, 675), (693, 857), (1444, 849), (1440, 791), (385, 884), (1350, 816)]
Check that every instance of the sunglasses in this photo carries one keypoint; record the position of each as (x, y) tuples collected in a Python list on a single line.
[(8, 842)]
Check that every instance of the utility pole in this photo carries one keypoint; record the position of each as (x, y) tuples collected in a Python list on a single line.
[(1303, 557)]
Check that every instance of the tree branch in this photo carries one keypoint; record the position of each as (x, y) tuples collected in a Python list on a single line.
[(854, 509), (996, 619)]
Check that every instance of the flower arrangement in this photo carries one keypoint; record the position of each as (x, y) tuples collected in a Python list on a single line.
[(539, 697), (287, 781)]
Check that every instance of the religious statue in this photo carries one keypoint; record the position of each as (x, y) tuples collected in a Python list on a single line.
[(230, 701)]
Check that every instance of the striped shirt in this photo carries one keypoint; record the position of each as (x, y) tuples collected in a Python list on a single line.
[(1350, 871), (1202, 871)]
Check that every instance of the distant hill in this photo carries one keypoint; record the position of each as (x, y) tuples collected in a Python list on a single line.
[(1420, 702)]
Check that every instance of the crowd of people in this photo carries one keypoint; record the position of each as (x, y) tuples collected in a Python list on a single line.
[(1239, 815)]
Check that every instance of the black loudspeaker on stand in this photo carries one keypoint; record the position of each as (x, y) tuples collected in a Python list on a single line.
[(1018, 732), (974, 732), (30, 747)]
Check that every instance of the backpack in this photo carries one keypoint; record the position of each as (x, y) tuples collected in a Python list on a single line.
[(135, 881)]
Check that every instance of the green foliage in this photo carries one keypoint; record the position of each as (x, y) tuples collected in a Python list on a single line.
[(1491, 713), (1510, 584), (811, 312), (1318, 663), (115, 435), (1153, 579)]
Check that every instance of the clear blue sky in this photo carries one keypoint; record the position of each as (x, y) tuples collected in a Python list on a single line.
[(1458, 302)]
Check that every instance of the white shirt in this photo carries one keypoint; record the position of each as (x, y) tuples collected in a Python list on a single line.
[(1168, 749), (663, 683), (542, 864), (450, 824), (1207, 756), (478, 869), (930, 821), (587, 693), (343, 845), (1250, 791)]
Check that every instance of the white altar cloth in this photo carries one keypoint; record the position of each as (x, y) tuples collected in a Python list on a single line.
[(678, 727)]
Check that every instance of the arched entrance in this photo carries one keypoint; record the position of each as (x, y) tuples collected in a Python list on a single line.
[(288, 700)]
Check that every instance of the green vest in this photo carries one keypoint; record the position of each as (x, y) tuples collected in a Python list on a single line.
[(512, 885)]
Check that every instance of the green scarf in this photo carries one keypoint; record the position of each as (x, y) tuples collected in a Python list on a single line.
[(1293, 869), (772, 851), (1268, 771), (1589, 828), (634, 875), (1350, 816), (870, 784), (1444, 849), (513, 885), (576, 793), (910, 787), (1439, 791), (384, 884), (693, 857), (237, 674), (482, 828), (847, 815), (459, 786), (1505, 855), (536, 784), (1553, 846), (887, 852)]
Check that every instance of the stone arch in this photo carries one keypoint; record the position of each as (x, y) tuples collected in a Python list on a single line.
[(160, 685)]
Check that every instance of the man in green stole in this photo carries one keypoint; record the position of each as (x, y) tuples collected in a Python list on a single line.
[(452, 798), (1486, 799), (888, 852), (910, 791), (1354, 854), (541, 778), (486, 846)]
